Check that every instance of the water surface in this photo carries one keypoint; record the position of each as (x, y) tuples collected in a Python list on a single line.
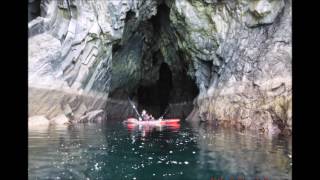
[(112, 151)]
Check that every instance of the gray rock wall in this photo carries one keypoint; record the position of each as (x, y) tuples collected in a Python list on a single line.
[(237, 52), (242, 56), (70, 53)]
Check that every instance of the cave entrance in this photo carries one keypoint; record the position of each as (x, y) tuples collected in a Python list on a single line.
[(161, 81), (155, 98), (165, 86), (34, 10)]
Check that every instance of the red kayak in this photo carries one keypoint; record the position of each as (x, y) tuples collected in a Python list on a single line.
[(147, 127), (153, 122)]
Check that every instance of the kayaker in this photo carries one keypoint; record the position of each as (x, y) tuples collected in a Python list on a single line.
[(144, 115)]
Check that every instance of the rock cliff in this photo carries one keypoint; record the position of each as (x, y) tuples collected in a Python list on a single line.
[(222, 60)]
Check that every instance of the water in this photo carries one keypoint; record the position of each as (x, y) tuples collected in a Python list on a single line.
[(114, 151)]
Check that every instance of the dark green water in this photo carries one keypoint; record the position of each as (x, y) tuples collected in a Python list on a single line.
[(111, 151)]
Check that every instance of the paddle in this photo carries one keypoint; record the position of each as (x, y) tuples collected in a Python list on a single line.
[(134, 107), (161, 117)]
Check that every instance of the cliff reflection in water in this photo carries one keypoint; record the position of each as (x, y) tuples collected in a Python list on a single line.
[(111, 151), (244, 153), (146, 130)]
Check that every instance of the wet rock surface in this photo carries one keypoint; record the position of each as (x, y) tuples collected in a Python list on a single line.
[(245, 73), (60, 120), (37, 121), (93, 116), (231, 58)]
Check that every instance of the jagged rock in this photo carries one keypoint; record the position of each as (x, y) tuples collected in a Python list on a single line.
[(60, 120), (44, 52), (246, 78), (263, 12), (57, 65), (33, 9), (93, 116), (36, 26)]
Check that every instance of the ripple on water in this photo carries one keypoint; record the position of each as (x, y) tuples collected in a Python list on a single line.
[(105, 152)]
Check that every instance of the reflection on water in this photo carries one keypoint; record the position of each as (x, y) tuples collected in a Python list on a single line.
[(114, 151), (243, 153), (147, 129)]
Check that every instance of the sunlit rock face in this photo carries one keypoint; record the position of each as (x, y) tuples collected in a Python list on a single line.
[(231, 59), (70, 52), (241, 51)]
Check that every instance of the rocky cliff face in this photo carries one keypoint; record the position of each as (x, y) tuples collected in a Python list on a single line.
[(227, 60), (246, 47)]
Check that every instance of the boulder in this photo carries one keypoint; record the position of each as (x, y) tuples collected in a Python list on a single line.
[(38, 121), (60, 120)]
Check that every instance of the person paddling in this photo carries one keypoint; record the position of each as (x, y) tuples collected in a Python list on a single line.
[(146, 116)]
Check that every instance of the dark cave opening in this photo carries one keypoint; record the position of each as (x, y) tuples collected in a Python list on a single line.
[(164, 85), (155, 98), (161, 19), (157, 79), (34, 9), (130, 15), (116, 46)]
